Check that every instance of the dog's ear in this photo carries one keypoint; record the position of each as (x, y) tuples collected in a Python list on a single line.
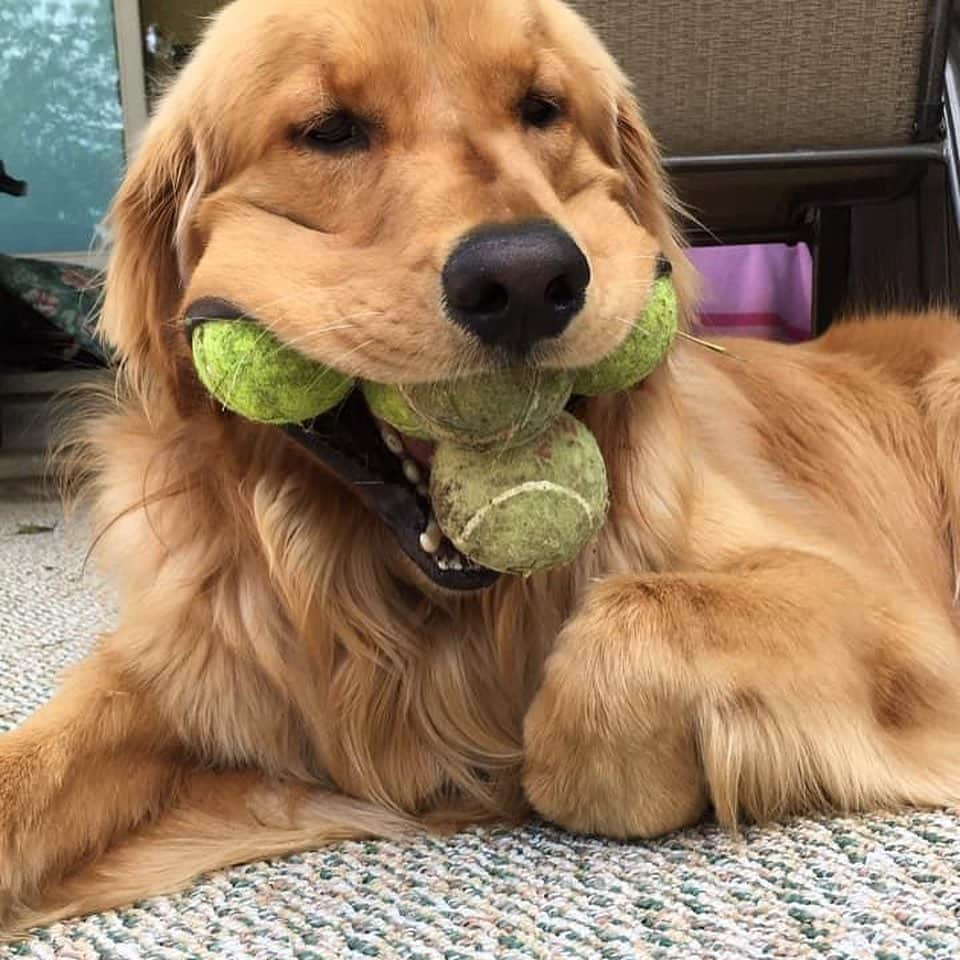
[(152, 238), (639, 158), (649, 195)]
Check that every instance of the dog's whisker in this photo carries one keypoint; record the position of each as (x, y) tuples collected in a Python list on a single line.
[(708, 344)]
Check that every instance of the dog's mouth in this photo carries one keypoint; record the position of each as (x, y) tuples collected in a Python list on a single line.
[(387, 472), (390, 474)]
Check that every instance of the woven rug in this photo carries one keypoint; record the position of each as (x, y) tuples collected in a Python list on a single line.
[(861, 888)]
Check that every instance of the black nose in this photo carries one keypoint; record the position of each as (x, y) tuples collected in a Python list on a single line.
[(512, 286)]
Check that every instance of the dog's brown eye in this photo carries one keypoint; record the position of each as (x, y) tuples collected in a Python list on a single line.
[(337, 131), (538, 111)]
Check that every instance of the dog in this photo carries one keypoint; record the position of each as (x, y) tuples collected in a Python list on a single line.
[(765, 626)]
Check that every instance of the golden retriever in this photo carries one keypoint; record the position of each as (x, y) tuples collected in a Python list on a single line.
[(766, 624)]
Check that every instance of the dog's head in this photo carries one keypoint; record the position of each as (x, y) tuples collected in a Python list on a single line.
[(404, 190)]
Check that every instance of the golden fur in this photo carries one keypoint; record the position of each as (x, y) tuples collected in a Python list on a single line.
[(767, 622)]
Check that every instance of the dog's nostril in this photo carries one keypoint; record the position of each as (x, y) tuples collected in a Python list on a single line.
[(560, 293), (490, 298)]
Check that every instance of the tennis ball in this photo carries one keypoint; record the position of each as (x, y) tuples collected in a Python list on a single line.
[(526, 508), (386, 401), (645, 347), (486, 410), (253, 374)]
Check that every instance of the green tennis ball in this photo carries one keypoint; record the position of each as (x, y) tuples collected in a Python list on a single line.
[(483, 411), (526, 508), (253, 374), (386, 401), (643, 350)]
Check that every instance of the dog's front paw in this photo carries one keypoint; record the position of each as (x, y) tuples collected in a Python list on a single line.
[(610, 745)]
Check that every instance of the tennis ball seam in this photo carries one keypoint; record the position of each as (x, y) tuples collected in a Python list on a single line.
[(440, 431), (533, 402), (528, 486)]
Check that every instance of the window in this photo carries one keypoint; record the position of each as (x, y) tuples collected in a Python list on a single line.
[(61, 121)]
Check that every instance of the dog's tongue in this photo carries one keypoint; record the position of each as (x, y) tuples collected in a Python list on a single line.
[(420, 450)]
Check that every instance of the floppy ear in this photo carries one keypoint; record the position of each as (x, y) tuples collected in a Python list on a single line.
[(650, 196), (151, 224)]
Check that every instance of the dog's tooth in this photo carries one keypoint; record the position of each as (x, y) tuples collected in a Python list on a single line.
[(450, 556), (411, 471), (432, 537), (442, 564), (423, 490), (392, 441)]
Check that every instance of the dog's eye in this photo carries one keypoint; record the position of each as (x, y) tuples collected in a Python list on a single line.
[(537, 110), (337, 131)]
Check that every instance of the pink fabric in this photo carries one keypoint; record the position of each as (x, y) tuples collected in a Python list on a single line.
[(756, 290)]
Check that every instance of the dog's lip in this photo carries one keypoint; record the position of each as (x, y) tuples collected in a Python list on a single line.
[(347, 442), (209, 308)]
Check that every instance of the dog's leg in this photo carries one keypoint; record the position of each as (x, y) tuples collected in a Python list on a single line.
[(778, 685), (217, 820), (99, 806), (91, 764)]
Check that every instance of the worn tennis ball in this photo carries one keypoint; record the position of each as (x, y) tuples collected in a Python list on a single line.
[(643, 350), (497, 409), (253, 374), (386, 401), (526, 508)]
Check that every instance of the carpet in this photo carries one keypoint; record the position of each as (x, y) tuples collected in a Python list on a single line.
[(852, 888)]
